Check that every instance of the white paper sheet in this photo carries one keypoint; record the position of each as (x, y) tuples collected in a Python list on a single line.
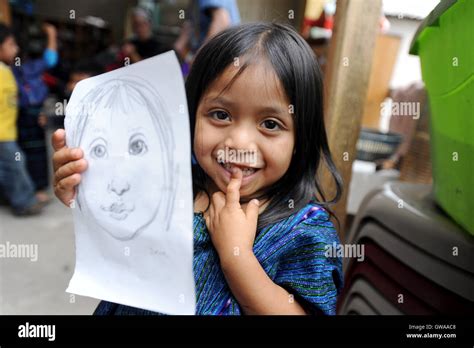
[(133, 210)]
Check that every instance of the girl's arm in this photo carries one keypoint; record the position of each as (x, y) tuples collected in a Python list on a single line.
[(232, 231), (254, 290)]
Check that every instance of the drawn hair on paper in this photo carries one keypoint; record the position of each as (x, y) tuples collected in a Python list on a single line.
[(124, 129)]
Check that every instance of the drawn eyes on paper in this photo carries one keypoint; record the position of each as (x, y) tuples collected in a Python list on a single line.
[(99, 148), (137, 147)]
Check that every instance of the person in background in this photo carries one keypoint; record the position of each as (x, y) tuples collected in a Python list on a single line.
[(143, 44), (15, 183), (209, 17), (33, 91), (80, 71), (215, 16)]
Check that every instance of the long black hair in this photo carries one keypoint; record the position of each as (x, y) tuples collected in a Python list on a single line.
[(297, 69)]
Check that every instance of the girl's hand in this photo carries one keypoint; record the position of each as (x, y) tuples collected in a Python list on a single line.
[(68, 164), (231, 228)]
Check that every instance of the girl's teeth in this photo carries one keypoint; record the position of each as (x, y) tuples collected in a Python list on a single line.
[(245, 171), (248, 171)]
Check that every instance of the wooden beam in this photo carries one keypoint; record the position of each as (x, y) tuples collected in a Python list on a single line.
[(385, 57), (347, 80)]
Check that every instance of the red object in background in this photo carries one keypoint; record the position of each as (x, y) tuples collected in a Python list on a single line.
[(50, 80), (118, 63), (324, 21), (328, 22)]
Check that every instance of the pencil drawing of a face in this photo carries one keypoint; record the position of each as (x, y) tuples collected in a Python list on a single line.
[(127, 146)]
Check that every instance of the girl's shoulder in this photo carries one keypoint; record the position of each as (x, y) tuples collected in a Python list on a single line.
[(312, 214), (315, 224)]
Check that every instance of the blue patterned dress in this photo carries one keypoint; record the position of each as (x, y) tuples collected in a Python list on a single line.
[(292, 253)]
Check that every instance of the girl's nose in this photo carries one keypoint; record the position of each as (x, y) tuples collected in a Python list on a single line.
[(119, 186), (241, 138)]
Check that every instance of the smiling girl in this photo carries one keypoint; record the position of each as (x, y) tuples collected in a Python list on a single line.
[(260, 226)]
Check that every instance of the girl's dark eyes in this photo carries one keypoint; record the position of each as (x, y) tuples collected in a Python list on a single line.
[(271, 125), (137, 147), (219, 115)]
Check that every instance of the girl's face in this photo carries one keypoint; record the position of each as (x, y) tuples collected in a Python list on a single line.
[(248, 125), (120, 155)]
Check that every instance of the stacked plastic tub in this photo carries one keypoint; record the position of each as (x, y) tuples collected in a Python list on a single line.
[(416, 259)]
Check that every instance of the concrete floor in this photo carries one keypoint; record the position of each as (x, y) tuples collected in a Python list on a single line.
[(38, 287)]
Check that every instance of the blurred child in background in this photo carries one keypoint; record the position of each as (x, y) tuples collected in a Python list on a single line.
[(33, 91), (80, 71), (15, 182)]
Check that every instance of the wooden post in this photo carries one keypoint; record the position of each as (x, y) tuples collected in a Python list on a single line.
[(346, 82), (5, 15), (385, 57)]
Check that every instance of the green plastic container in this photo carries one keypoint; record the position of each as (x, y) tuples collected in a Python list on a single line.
[(445, 44)]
